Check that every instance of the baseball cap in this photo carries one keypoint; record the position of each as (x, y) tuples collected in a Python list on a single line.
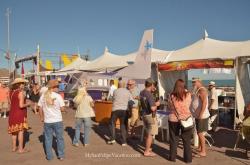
[(211, 83), (150, 80)]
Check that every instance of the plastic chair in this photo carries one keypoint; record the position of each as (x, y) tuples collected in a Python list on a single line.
[(209, 137), (162, 124), (243, 134)]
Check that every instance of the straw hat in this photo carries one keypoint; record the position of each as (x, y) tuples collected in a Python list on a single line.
[(19, 80), (52, 83), (212, 83), (196, 79)]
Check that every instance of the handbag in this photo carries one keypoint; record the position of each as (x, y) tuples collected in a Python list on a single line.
[(188, 123)]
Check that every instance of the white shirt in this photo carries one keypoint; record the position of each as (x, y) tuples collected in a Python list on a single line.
[(52, 113), (111, 91), (213, 96)]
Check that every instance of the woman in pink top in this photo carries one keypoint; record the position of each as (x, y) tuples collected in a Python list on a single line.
[(180, 100)]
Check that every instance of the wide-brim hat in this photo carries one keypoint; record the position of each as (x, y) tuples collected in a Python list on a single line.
[(52, 83), (212, 83), (19, 80)]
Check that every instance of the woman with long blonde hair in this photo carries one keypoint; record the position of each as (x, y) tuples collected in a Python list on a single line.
[(83, 115)]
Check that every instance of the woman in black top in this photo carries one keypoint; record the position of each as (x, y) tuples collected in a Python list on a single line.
[(34, 96)]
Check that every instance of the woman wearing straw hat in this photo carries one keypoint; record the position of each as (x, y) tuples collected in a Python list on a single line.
[(18, 114)]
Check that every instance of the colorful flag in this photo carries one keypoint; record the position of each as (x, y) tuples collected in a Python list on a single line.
[(48, 65), (66, 60)]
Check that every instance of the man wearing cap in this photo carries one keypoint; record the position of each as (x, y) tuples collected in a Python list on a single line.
[(213, 106), (51, 104), (200, 113), (149, 107)]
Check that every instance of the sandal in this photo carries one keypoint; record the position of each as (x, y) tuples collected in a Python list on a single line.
[(23, 151), (150, 154), (14, 150), (199, 156)]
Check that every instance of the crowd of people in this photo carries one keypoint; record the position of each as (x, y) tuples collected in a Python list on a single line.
[(129, 106)]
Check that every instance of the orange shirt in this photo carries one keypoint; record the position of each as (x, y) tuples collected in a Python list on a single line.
[(4, 94)]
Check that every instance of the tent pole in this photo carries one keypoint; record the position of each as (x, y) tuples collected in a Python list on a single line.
[(161, 90), (235, 88)]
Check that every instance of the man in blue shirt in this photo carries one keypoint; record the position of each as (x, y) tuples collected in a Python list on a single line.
[(149, 107)]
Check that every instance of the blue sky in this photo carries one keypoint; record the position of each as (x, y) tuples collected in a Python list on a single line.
[(64, 25)]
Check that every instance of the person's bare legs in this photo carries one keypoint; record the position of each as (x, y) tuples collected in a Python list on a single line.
[(4, 113), (148, 149), (20, 141), (202, 141), (36, 108), (14, 137)]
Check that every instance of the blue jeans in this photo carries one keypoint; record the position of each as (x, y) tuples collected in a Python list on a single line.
[(49, 130), (87, 127), (122, 115)]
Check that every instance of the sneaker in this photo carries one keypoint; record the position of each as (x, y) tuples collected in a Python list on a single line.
[(4, 117), (85, 145), (111, 142), (75, 144), (124, 145), (61, 159)]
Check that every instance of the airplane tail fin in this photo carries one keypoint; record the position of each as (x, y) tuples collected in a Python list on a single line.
[(141, 68)]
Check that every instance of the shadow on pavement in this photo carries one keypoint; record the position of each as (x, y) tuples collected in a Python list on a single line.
[(102, 130), (54, 145), (71, 132)]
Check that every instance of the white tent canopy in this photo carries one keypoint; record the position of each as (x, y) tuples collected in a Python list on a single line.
[(208, 48), (110, 62), (107, 62), (74, 65)]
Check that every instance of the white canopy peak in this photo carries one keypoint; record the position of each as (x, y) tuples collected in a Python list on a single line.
[(205, 34)]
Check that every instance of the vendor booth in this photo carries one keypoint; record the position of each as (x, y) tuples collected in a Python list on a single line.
[(209, 53)]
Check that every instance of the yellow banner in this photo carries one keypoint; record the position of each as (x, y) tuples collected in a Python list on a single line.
[(65, 59), (48, 65)]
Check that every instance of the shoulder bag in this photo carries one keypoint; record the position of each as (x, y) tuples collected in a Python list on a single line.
[(188, 123)]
